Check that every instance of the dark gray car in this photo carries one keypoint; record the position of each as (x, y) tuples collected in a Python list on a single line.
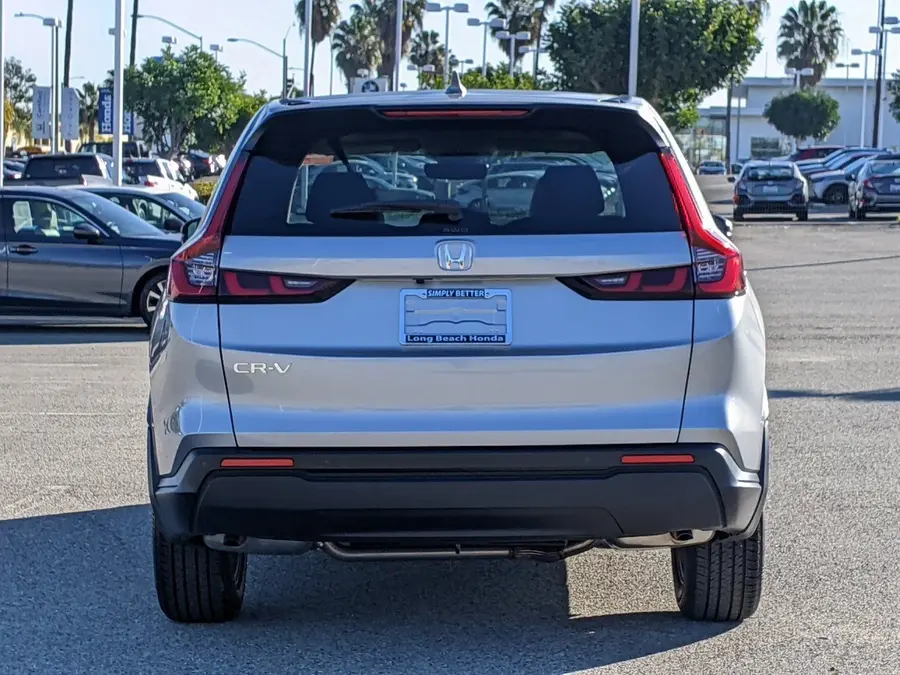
[(164, 209), (70, 252)]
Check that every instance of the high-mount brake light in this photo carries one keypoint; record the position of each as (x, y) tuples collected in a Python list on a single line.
[(718, 264), (455, 114), (193, 272)]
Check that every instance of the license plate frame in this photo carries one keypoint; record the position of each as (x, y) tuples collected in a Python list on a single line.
[(498, 335), (770, 189)]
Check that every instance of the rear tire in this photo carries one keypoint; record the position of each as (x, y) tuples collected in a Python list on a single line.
[(195, 584), (803, 215), (861, 214), (852, 212), (151, 296), (737, 215), (719, 581), (836, 194)]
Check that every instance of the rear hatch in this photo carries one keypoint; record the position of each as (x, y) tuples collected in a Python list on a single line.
[(884, 177), (349, 322), (777, 182)]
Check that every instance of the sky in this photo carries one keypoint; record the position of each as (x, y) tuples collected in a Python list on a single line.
[(218, 20)]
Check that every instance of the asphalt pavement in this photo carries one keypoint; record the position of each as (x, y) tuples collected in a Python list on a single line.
[(76, 587)]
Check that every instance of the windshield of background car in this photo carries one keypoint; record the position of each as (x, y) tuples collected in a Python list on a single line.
[(61, 167), (764, 173), (119, 220), (614, 181), (888, 168), (188, 207)]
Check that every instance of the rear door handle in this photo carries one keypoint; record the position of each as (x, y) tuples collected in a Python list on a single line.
[(24, 249)]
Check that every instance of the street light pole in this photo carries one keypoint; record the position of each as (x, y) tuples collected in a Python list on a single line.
[(492, 23), (119, 91), (398, 43), (633, 47), (846, 67), (459, 8), (865, 53), (173, 25), (282, 56), (54, 79), (307, 49)]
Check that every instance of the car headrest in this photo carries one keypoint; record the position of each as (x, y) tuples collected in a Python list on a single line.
[(567, 193), (335, 190)]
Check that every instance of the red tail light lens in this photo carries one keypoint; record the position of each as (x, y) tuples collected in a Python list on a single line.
[(671, 283), (456, 114), (241, 287), (868, 184), (193, 272), (718, 264)]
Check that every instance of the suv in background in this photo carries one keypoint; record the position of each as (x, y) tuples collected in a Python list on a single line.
[(813, 152), (67, 169), (129, 148), (383, 379)]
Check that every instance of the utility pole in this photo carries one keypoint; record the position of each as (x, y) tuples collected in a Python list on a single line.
[(879, 70), (134, 23)]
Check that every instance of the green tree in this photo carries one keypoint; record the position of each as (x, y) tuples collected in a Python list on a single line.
[(497, 77), (519, 15), (325, 17), (807, 113), (810, 37), (221, 135), (428, 50), (9, 120), (20, 92), (90, 109), (356, 45), (176, 96), (385, 13), (688, 50)]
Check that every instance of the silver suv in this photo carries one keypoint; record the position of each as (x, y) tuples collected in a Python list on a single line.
[(420, 380)]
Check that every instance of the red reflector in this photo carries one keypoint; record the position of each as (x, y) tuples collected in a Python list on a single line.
[(257, 463), (657, 459), (456, 113)]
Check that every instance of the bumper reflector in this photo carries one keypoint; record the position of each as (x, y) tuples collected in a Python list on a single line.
[(657, 459), (257, 463)]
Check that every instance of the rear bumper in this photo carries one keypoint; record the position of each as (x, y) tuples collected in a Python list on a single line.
[(749, 204), (466, 495), (873, 201)]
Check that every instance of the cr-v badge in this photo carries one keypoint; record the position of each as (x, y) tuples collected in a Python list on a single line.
[(261, 368)]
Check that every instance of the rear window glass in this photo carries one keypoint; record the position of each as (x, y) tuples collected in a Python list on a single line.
[(355, 172), (884, 168), (770, 173), (48, 167)]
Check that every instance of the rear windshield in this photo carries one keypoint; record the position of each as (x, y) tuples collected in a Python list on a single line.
[(143, 169), (69, 167), (885, 168), (558, 170), (770, 173)]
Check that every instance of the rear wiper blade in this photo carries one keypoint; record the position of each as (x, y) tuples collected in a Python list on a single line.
[(451, 209)]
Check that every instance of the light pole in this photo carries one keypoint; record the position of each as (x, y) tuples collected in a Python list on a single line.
[(119, 91), (846, 67), (525, 49), (169, 40), (865, 53), (427, 68), (459, 8), (633, 47), (173, 25), (796, 73), (282, 56), (881, 31), (398, 42), (497, 24), (521, 36), (54, 24), (217, 49)]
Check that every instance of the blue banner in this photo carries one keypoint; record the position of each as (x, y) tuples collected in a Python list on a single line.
[(105, 114)]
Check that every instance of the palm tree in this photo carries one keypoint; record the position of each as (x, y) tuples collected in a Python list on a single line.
[(90, 103), (325, 17), (539, 19), (426, 49), (518, 15), (385, 13), (810, 37), (356, 44)]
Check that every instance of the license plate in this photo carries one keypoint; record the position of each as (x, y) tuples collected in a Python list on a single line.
[(455, 316), (770, 189), (895, 188)]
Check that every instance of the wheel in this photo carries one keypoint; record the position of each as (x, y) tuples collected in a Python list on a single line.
[(836, 194), (152, 293), (861, 214), (803, 215), (719, 581), (852, 212), (195, 584), (737, 215)]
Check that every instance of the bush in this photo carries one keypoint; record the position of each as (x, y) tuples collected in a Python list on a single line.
[(205, 188)]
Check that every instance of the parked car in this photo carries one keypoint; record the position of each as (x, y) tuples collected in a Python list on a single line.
[(838, 160), (164, 209), (340, 380), (71, 252), (129, 149), (770, 186), (813, 152), (875, 187), (12, 170), (711, 167), (202, 163), (832, 187), (57, 170), (505, 192), (386, 192), (370, 168), (158, 173)]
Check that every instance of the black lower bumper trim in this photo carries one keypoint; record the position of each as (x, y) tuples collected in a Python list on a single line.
[(456, 494)]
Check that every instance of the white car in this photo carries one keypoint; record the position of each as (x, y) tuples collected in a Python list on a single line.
[(159, 173)]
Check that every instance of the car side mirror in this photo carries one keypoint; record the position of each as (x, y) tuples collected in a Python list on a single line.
[(189, 228), (172, 225), (87, 232), (730, 179)]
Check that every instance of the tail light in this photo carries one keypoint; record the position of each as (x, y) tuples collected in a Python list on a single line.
[(671, 283), (240, 287), (151, 181), (193, 271), (868, 184), (718, 264)]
